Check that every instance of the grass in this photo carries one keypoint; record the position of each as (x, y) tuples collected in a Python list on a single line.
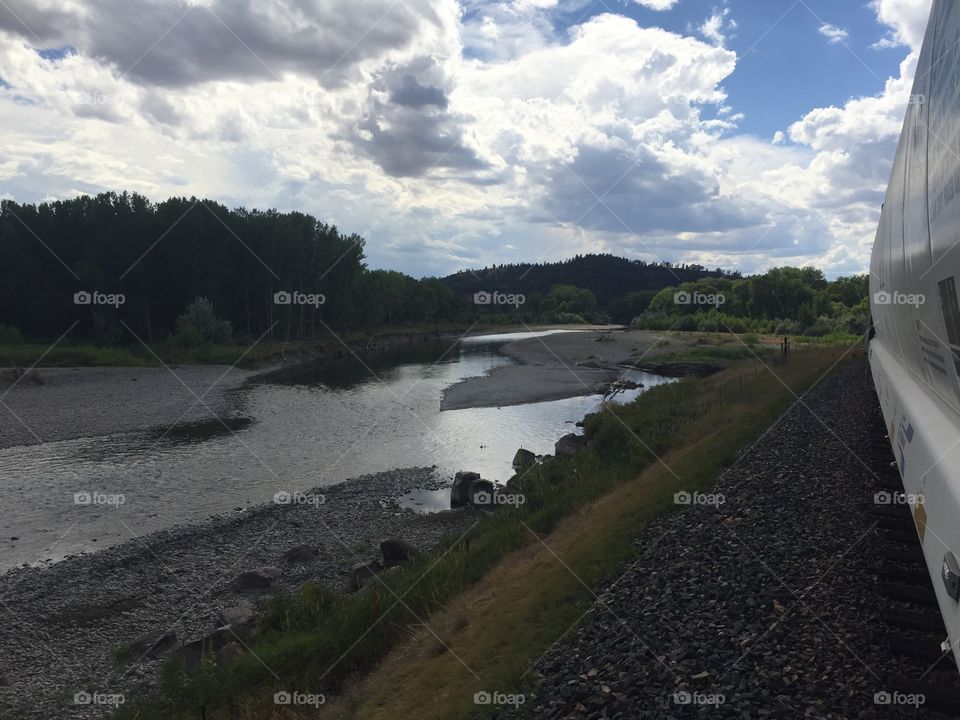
[(587, 508)]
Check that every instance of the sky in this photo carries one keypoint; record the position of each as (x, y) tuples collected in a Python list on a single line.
[(455, 134)]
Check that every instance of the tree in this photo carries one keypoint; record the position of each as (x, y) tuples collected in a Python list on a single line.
[(199, 322)]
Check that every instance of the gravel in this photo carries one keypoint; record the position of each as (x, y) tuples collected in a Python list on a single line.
[(105, 400), (763, 606), (60, 626), (552, 367)]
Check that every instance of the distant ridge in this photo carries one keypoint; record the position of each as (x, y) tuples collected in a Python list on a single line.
[(607, 276)]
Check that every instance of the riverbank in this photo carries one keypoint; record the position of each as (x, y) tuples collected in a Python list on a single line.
[(71, 403), (535, 597), (62, 625)]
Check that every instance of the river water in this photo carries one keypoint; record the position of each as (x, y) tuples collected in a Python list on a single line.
[(312, 427)]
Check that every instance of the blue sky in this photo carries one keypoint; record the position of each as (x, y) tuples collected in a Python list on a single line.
[(458, 133), (785, 65)]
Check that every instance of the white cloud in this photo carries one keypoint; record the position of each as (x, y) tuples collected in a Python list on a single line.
[(657, 4), (833, 33), (717, 27), (907, 20), (464, 135)]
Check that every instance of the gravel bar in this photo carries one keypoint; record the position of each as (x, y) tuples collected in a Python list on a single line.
[(60, 626), (763, 606)]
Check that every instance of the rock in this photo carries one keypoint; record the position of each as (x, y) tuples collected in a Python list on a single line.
[(361, 572), (523, 458), (239, 617), (397, 552), (460, 492), (300, 554), (229, 652), (569, 445), (253, 580), (152, 644), (481, 494)]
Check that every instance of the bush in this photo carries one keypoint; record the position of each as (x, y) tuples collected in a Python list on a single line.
[(10, 335), (200, 321), (569, 319), (787, 327), (822, 326)]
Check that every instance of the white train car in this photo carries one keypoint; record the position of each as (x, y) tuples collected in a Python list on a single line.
[(914, 279)]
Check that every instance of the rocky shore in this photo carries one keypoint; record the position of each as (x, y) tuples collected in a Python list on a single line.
[(70, 403), (62, 627), (761, 601)]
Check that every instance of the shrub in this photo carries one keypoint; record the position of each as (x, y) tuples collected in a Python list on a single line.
[(199, 320), (569, 319), (10, 335)]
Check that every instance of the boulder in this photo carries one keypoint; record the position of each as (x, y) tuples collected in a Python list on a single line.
[(460, 492), (254, 580), (523, 458), (482, 494), (397, 552), (361, 572), (300, 554), (569, 445), (239, 617), (152, 644)]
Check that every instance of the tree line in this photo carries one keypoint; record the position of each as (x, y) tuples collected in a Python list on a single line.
[(117, 266), (118, 261)]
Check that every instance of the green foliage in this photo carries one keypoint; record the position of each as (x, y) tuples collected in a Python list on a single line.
[(199, 323), (10, 335), (785, 301), (161, 256)]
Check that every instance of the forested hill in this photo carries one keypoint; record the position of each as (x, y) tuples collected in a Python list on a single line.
[(608, 277)]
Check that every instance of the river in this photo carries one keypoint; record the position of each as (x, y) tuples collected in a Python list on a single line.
[(304, 428)]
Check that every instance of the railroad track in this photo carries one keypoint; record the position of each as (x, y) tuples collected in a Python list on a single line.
[(914, 626)]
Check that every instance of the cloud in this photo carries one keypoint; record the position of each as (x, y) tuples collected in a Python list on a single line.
[(177, 43), (906, 19), (717, 27), (658, 5), (833, 33), (451, 134)]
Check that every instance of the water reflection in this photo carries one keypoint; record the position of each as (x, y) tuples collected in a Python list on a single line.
[(303, 428)]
